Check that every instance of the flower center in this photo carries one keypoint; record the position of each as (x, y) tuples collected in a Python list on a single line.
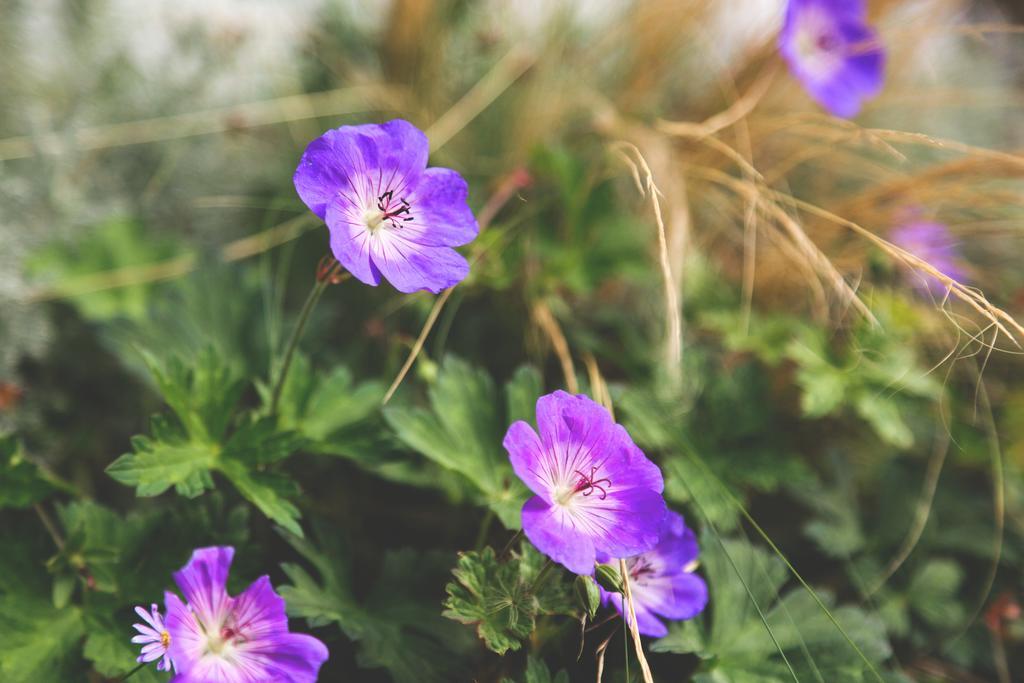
[(388, 210), (587, 485), (165, 640)]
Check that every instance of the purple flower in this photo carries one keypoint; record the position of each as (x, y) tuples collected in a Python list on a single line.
[(934, 243), (153, 637), (241, 639), (388, 214), (596, 491), (833, 52), (662, 581)]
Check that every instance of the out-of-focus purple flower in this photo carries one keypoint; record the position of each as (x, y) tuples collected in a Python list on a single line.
[(596, 491), (241, 639), (662, 581), (934, 243), (388, 214), (153, 637), (833, 52)]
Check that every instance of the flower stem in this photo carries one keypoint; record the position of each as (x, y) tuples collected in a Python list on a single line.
[(485, 526), (293, 342), (134, 671), (541, 575), (511, 542)]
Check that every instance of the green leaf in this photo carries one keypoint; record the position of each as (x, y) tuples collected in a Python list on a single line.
[(396, 627), (264, 491), (463, 432), (740, 646), (21, 482), (933, 594), (40, 642), (108, 646), (882, 412), (538, 672), (262, 443), (157, 464), (499, 596), (320, 406)]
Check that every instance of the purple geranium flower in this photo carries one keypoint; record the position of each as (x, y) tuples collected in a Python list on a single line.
[(596, 491), (241, 639), (833, 52), (662, 581), (388, 214), (934, 243), (153, 637)]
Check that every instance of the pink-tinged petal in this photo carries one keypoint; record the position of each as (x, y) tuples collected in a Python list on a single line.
[(150, 637), (188, 639), (548, 530), (527, 456), (286, 657), (441, 216), (152, 617), (411, 267), (258, 611), (203, 581)]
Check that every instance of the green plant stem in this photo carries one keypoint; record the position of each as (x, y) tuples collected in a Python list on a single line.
[(541, 575), (134, 671), (293, 342), (485, 526), (511, 542)]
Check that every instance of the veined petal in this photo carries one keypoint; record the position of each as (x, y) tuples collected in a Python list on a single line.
[(258, 611), (284, 657), (527, 456), (412, 267), (559, 540), (203, 581), (441, 216)]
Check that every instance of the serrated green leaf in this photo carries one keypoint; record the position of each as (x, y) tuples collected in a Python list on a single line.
[(156, 465), (932, 593), (264, 492), (882, 412), (538, 672), (40, 642), (463, 432), (394, 627), (262, 442)]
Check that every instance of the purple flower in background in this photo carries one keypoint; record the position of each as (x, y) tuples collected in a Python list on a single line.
[(153, 637), (662, 581), (833, 52), (241, 639), (934, 243), (388, 214), (596, 492)]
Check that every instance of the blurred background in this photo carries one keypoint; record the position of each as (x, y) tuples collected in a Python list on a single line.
[(868, 417)]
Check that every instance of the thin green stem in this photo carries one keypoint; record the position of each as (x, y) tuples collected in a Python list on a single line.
[(293, 342), (541, 575), (485, 526), (134, 671), (511, 542)]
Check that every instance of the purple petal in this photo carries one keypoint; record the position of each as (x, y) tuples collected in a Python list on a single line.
[(441, 216), (284, 657), (146, 638), (203, 581), (526, 454), (647, 623), (410, 267), (351, 242), (258, 611), (632, 519), (573, 425), (359, 163), (188, 639), (559, 541)]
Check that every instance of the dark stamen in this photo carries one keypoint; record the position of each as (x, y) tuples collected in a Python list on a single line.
[(384, 205), (587, 485)]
